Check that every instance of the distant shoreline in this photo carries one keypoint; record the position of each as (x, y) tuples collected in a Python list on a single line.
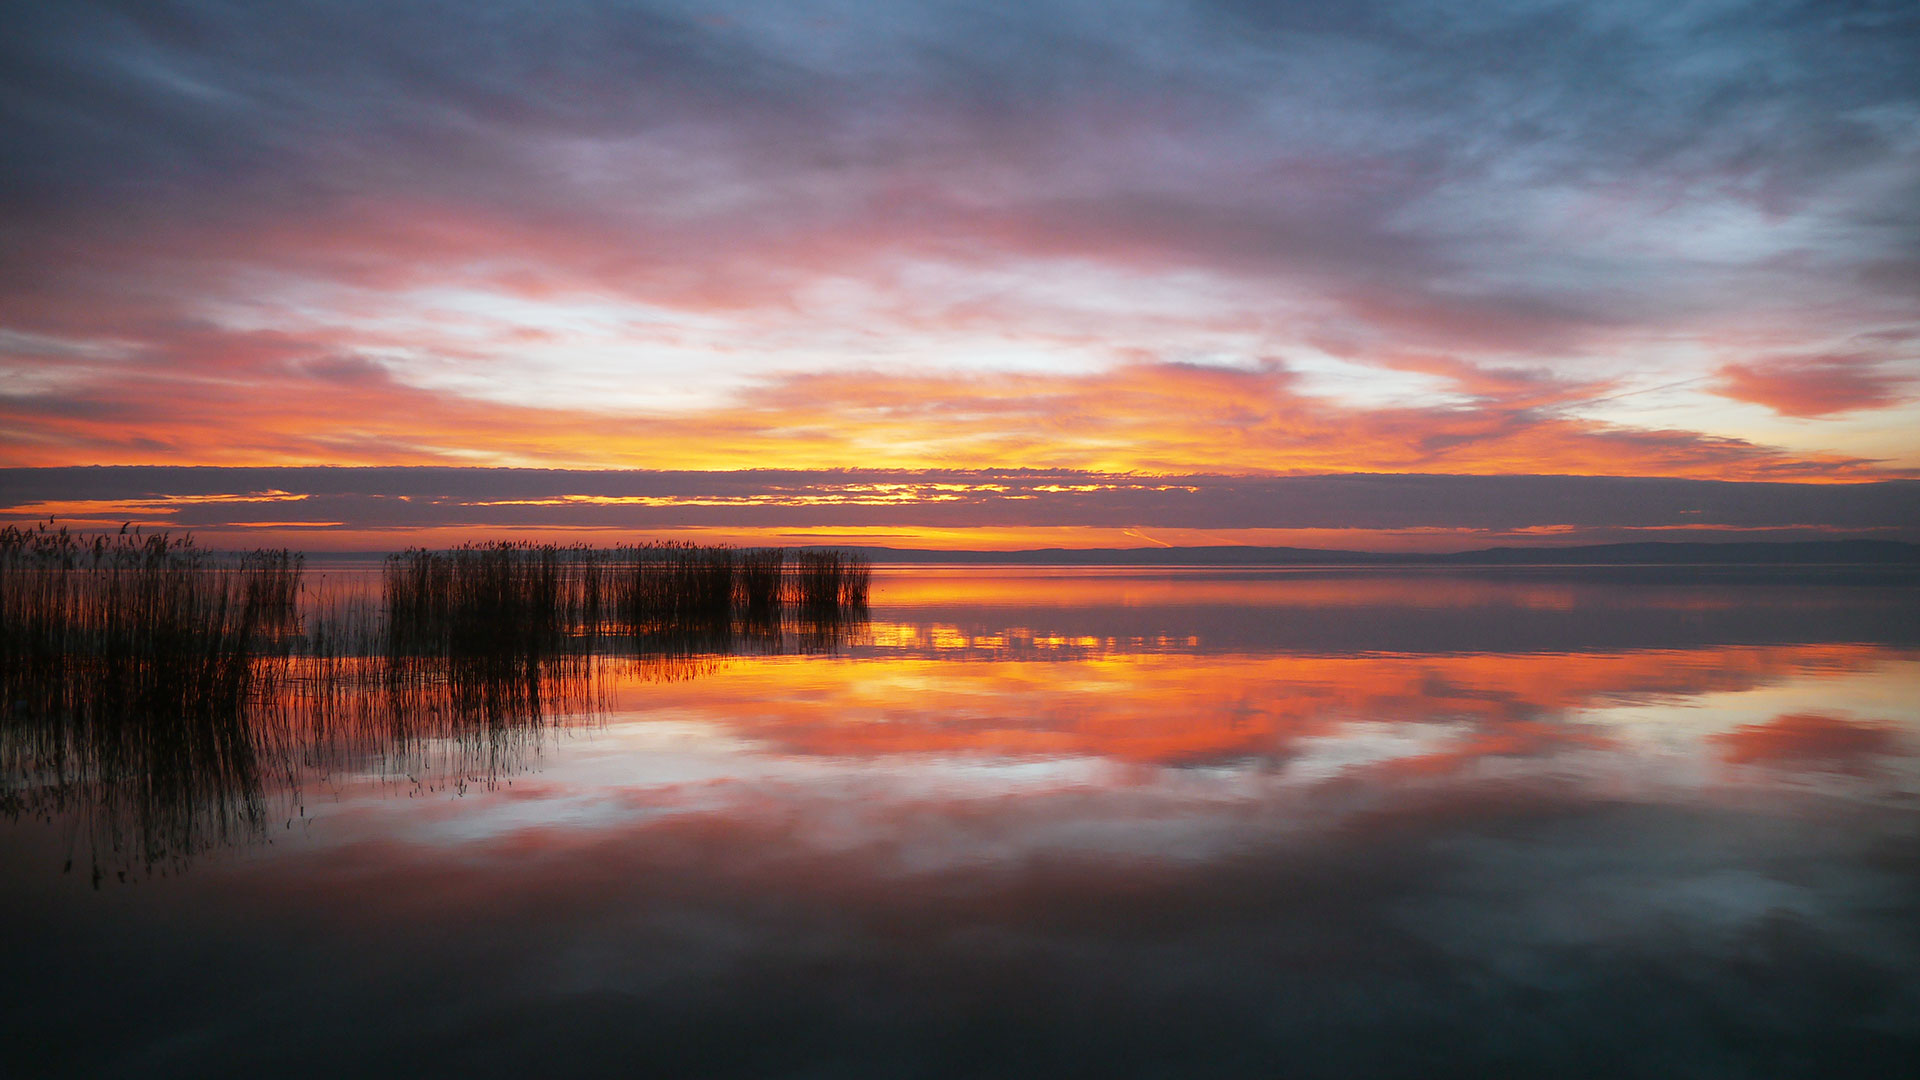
[(1802, 553)]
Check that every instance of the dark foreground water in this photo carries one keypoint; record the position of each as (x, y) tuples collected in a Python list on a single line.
[(1045, 823)]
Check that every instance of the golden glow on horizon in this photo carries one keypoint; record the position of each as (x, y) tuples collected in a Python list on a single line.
[(323, 535), (1144, 419)]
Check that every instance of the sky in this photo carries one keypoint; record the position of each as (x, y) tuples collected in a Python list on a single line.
[(1095, 247)]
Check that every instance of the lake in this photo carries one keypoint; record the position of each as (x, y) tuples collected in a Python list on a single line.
[(1045, 822)]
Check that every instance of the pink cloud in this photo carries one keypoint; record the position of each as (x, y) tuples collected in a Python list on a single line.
[(1816, 386)]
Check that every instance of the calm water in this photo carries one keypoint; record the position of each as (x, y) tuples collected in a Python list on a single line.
[(1062, 822)]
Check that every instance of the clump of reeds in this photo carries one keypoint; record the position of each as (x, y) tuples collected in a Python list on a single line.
[(161, 692), (141, 617), (760, 584), (672, 588), (525, 603), (829, 582), (128, 664), (491, 602)]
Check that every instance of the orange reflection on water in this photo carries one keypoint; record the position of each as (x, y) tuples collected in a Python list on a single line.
[(1802, 738), (1034, 586), (1180, 708), (1288, 587), (947, 637)]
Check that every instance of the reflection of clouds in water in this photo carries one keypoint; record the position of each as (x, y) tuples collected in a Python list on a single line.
[(1462, 927), (1633, 717), (1153, 755), (995, 803), (1810, 738), (1657, 861)]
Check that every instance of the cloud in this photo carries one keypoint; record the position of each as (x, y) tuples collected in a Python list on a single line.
[(345, 369), (1429, 163), (1154, 417), (533, 221), (971, 507), (1808, 387)]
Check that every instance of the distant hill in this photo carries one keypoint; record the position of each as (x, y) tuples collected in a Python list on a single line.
[(1657, 553)]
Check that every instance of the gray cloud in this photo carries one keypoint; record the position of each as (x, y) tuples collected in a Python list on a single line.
[(428, 496), (1403, 155)]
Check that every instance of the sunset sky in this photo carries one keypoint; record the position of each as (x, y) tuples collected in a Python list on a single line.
[(1377, 275)]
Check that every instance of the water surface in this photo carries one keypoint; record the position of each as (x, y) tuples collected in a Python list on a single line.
[(1060, 821)]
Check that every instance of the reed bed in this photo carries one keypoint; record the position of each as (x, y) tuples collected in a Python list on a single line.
[(166, 699), (129, 668), (761, 584), (525, 601), (491, 603), (832, 582)]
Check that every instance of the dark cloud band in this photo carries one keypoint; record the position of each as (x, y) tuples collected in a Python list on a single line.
[(416, 498)]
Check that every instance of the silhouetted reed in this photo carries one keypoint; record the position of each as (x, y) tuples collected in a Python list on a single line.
[(500, 603), (520, 603), (447, 724), (830, 582), (170, 699), (454, 678), (128, 668), (673, 587), (761, 585)]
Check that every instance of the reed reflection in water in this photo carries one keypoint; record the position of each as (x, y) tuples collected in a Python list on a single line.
[(162, 700), (1043, 823)]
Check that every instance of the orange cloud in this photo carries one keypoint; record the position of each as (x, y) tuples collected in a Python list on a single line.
[(260, 398), (161, 382)]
